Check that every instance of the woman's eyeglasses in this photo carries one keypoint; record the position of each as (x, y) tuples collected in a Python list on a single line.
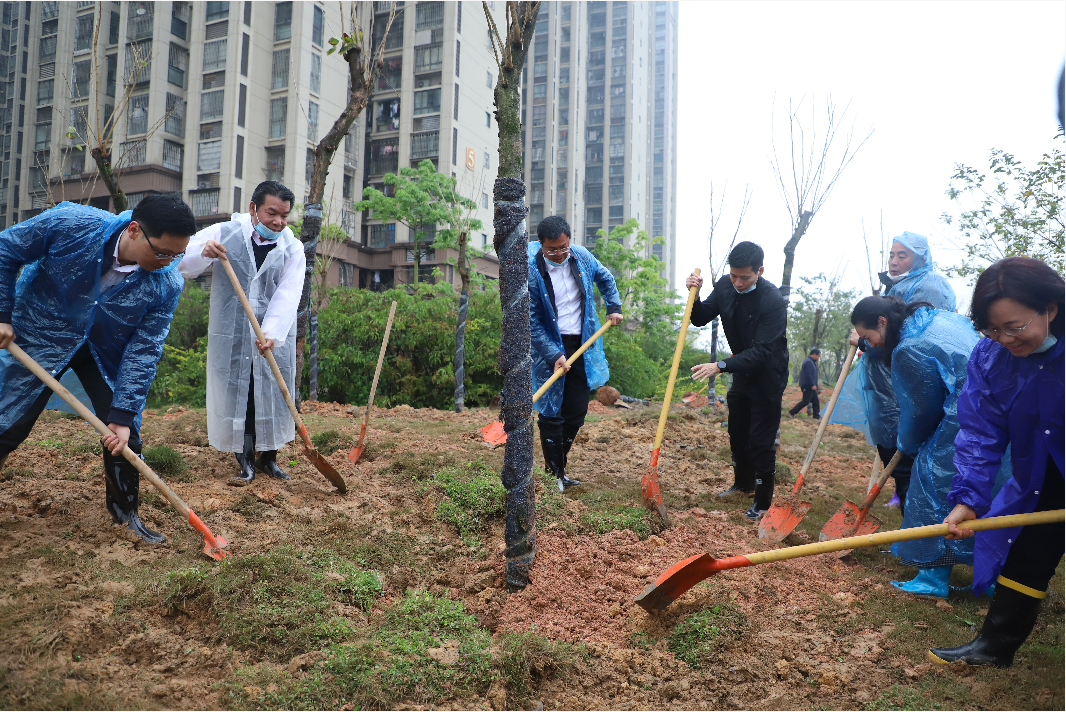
[(995, 333)]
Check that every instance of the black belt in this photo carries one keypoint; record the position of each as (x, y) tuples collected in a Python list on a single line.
[(571, 338)]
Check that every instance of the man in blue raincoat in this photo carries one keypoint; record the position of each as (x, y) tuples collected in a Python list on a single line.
[(562, 316), (910, 277), (84, 290)]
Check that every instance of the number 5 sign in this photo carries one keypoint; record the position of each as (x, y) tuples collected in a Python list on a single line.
[(470, 158)]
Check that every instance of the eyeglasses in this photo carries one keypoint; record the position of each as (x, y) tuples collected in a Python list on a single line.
[(995, 333), (162, 255), (556, 251)]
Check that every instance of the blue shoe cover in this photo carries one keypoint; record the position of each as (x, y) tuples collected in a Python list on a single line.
[(990, 591), (932, 582)]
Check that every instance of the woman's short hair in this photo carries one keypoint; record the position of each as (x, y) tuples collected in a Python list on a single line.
[(1023, 279)]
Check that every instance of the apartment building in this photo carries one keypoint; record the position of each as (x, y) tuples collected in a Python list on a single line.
[(599, 99)]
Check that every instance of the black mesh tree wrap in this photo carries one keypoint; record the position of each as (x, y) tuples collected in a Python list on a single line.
[(460, 350), (520, 529)]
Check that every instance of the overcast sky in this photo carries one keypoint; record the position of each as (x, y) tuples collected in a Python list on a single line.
[(939, 82)]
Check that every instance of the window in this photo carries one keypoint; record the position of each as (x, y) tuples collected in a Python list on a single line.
[(47, 49), (275, 163), (282, 21), (317, 25), (312, 121), (246, 42), (175, 121), (384, 156), (216, 30), (279, 69), (42, 137), (429, 57), (346, 187), (204, 202), (237, 189), (217, 11), (211, 105), (391, 73), (455, 108), (210, 156), (455, 147), (79, 79), (248, 13), (177, 65), (238, 163), (309, 165), (173, 155), (214, 80), (425, 144), (134, 153), (112, 35), (540, 91), (242, 105), (45, 92), (179, 19), (388, 115), (488, 119), (428, 15), (457, 48), (83, 32), (382, 235), (458, 17), (427, 102), (138, 115), (140, 17), (215, 55), (279, 109), (316, 73), (487, 160), (540, 69), (485, 200)]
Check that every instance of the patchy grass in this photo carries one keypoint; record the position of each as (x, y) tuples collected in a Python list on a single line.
[(166, 461), (698, 637), (526, 659), (470, 497), (633, 517), (328, 442), (419, 466)]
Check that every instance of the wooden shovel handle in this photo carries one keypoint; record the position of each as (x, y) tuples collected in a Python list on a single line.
[(570, 361), (692, 292), (268, 353), (825, 418), (377, 371), (84, 412), (876, 490)]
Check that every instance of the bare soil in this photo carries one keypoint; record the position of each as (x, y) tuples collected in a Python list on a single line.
[(87, 622)]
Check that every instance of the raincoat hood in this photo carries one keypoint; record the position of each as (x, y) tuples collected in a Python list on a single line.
[(921, 283)]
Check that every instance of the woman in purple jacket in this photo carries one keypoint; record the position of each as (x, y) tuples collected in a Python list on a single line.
[(1013, 396)]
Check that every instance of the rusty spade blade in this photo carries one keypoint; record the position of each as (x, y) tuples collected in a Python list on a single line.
[(649, 490), (852, 519)]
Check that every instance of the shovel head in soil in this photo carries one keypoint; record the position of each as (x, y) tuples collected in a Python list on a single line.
[(328, 471), (494, 434), (848, 522), (675, 581), (649, 489), (782, 518), (357, 451)]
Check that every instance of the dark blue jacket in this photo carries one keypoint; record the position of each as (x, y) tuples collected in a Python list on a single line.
[(808, 373)]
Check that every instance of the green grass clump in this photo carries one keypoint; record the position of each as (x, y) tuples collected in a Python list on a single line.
[(419, 466), (328, 442), (165, 460), (470, 497), (698, 636), (9, 473), (637, 519), (361, 588), (525, 659)]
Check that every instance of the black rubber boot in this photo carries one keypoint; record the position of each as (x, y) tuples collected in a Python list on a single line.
[(551, 443), (268, 463), (246, 460), (122, 485), (1010, 620), (764, 497), (743, 481)]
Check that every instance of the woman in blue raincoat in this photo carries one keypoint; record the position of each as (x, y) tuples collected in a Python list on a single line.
[(910, 277), (85, 290), (926, 351), (562, 316), (1013, 397)]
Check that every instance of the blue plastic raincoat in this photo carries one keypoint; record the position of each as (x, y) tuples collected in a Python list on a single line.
[(1006, 401), (56, 306), (871, 381), (546, 341), (928, 373)]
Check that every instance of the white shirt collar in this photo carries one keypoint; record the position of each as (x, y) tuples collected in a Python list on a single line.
[(121, 267)]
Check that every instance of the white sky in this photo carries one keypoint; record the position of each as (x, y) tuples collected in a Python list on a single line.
[(939, 82)]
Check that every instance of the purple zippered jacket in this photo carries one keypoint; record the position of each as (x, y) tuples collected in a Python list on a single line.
[(1013, 401)]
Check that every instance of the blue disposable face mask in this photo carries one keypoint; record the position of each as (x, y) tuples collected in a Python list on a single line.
[(749, 289), (265, 232), (1049, 341)]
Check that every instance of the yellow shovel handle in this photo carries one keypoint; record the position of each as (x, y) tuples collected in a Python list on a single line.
[(669, 395), (570, 361)]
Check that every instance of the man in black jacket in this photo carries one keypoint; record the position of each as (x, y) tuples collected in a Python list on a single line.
[(808, 383), (753, 318)]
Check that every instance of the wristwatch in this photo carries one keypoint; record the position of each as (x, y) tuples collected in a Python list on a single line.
[(721, 366)]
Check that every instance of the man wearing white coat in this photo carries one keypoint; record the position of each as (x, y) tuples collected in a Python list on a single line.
[(246, 411)]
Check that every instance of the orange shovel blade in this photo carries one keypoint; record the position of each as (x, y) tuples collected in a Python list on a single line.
[(782, 518), (494, 434), (675, 581), (358, 449), (653, 497), (845, 523), (328, 470), (213, 545)]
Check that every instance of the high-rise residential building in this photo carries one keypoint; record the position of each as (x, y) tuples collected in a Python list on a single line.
[(211, 98), (599, 118)]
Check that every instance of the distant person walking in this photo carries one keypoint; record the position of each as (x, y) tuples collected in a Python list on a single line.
[(753, 318), (808, 383)]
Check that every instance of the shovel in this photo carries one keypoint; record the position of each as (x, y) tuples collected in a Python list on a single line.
[(493, 432), (649, 485), (320, 463), (685, 574), (851, 519), (213, 545), (786, 513), (358, 449)]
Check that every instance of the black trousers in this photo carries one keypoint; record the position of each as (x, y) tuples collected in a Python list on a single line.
[(100, 394), (575, 404), (249, 413), (754, 418), (902, 473), (1038, 549), (809, 395)]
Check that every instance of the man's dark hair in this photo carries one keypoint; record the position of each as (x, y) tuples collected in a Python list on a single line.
[(746, 254), (552, 228), (1023, 279), (815, 350), (869, 311), (272, 187), (160, 213)]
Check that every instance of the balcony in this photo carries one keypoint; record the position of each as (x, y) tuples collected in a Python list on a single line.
[(429, 58), (139, 20), (204, 202), (425, 144), (429, 15), (134, 153)]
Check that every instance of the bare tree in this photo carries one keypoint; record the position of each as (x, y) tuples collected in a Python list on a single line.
[(364, 66), (718, 259), (509, 213), (810, 171), (871, 270)]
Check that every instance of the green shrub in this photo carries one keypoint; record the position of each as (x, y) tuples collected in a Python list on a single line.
[(632, 372), (181, 377), (165, 460)]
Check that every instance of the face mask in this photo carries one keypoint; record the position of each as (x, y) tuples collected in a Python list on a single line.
[(265, 232), (899, 277), (1049, 341), (749, 289), (550, 263)]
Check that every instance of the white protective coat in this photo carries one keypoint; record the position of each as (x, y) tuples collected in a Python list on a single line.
[(231, 351)]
